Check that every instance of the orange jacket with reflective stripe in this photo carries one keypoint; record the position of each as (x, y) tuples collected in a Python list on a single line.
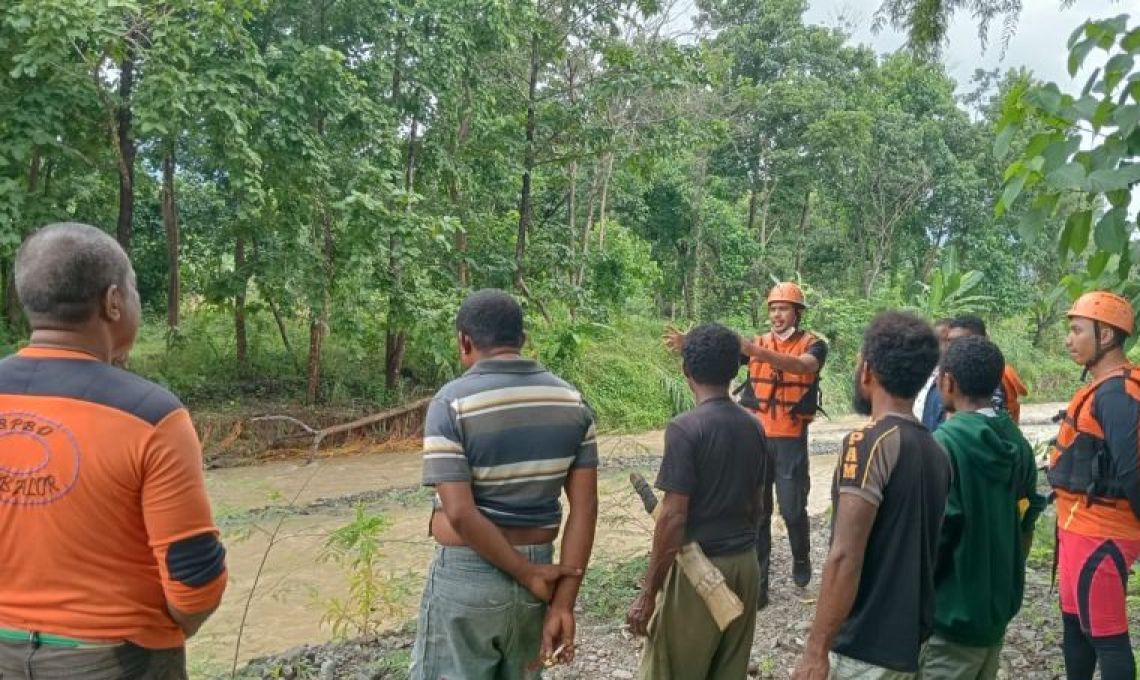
[(1080, 436), (779, 391)]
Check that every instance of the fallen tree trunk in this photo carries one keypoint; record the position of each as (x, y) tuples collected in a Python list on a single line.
[(318, 436)]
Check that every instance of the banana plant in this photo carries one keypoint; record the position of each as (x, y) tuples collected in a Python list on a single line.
[(950, 290)]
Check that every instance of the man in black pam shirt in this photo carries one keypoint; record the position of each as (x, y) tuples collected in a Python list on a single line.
[(876, 604)]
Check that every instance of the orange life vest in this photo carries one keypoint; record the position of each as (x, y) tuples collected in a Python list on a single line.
[(1081, 472), (1014, 389), (781, 396)]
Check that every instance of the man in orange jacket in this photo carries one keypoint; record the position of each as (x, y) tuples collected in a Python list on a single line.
[(1007, 397), (783, 393), (1094, 471)]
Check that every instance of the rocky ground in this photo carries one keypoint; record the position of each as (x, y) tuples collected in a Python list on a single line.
[(606, 650)]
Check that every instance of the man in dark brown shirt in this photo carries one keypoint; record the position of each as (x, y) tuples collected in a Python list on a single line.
[(712, 475), (876, 605)]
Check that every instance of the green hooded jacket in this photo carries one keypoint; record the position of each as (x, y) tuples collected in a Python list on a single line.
[(993, 504)]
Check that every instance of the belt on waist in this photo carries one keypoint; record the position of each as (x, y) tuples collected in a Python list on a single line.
[(10, 635)]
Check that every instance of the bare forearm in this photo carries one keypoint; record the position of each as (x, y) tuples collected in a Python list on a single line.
[(836, 597), (482, 536), (189, 623), (577, 544), (783, 362), (667, 537)]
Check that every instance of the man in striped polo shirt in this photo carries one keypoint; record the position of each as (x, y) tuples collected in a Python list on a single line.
[(501, 442)]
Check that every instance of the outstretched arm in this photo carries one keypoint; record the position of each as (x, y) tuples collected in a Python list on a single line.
[(804, 363)]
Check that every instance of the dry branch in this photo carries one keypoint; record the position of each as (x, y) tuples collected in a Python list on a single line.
[(318, 435)]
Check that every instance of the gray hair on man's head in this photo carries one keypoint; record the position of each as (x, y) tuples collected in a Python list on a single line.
[(63, 270)]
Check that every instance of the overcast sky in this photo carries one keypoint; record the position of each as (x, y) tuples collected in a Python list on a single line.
[(1038, 44)]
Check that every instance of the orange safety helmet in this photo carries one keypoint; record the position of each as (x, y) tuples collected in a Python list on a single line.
[(789, 292), (1107, 308)]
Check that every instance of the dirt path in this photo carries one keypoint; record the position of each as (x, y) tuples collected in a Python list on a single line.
[(294, 587)]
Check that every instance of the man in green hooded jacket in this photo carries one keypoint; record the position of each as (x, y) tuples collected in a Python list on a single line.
[(988, 527)]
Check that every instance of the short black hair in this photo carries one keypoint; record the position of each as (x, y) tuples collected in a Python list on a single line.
[(63, 270), (970, 322), (1119, 337), (491, 318), (901, 350), (711, 354), (976, 364)]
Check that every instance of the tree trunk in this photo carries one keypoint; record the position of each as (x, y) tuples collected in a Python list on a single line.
[(280, 321), (572, 175), (698, 230), (395, 340), (456, 196), (241, 341), (14, 313), (572, 212), (878, 257), (753, 207), (805, 218), (525, 207), (608, 173), (319, 318), (765, 206), (687, 293), (170, 221), (464, 271), (35, 166), (127, 150), (588, 227)]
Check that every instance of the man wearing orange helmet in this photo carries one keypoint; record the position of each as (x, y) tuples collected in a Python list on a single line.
[(1095, 471), (783, 374), (783, 392)]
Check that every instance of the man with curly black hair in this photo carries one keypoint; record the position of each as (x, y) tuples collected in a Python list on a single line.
[(988, 527), (712, 475), (876, 604)]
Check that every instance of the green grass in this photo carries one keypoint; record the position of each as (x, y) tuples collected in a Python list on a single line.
[(610, 587), (393, 665), (630, 380), (1041, 553)]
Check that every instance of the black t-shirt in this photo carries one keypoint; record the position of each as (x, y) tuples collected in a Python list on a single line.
[(895, 464), (714, 454)]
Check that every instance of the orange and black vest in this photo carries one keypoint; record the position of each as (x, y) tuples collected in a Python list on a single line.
[(1090, 499), (785, 402)]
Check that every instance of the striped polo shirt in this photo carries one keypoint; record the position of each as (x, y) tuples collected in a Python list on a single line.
[(514, 431)]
